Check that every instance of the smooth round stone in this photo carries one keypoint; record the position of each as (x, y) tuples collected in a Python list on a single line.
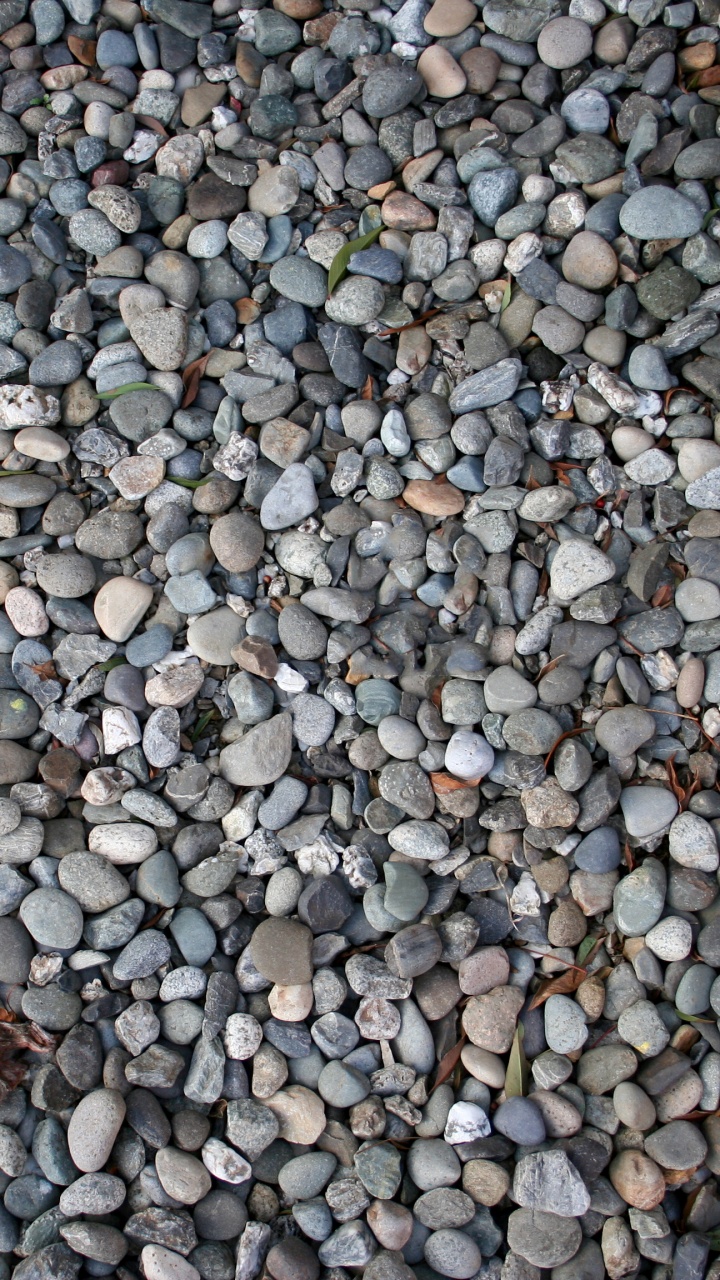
[(53, 919), (692, 843), (67, 576), (564, 42), (300, 280), (670, 939), (647, 810), (93, 1127), (468, 756), (565, 1024), (521, 1121), (639, 898), (506, 691), (696, 600), (120, 604), (400, 738), (633, 1107), (599, 852)]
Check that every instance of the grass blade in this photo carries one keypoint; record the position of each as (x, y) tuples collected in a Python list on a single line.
[(339, 264), (516, 1076)]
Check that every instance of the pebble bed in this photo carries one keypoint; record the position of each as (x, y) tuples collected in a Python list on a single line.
[(360, 640)]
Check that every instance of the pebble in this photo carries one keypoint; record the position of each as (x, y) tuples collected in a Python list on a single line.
[(357, 659)]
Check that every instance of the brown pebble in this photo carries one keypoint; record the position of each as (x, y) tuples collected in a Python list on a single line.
[(256, 654), (114, 173), (691, 681), (292, 1259), (404, 212), (434, 499), (637, 1179), (300, 10), (391, 1224)]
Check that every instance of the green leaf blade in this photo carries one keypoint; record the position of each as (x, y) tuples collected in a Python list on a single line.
[(516, 1076), (190, 484), (339, 264), (121, 391)]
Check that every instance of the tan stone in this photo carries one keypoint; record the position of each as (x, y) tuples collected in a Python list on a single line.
[(589, 261), (404, 212), (256, 654), (135, 477), (433, 499), (638, 1179), (485, 1182), (443, 76), (481, 67), (48, 446), (300, 10), (420, 169), (301, 1113), (249, 64), (688, 690), (175, 687), (8, 579), (449, 17), (390, 1223), (486, 1067), (414, 350), (291, 1004), (490, 1020), (26, 612), (119, 605)]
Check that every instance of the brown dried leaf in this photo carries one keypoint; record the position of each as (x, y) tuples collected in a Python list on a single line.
[(45, 670), (426, 315), (562, 985), (662, 596), (151, 123), (448, 1062), (444, 783), (83, 50), (516, 1076), (629, 860), (367, 391), (531, 483), (191, 379)]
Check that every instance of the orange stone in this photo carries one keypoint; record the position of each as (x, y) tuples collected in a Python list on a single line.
[(319, 30), (249, 64), (638, 1179), (698, 57), (433, 499), (382, 190), (300, 10), (404, 212)]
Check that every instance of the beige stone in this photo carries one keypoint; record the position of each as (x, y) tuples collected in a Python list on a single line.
[(449, 17), (688, 690), (391, 1224), (291, 1004), (481, 66), (26, 611), (637, 1179), (135, 478), (414, 350), (301, 1113), (443, 76), (589, 261), (119, 605), (48, 446), (434, 499)]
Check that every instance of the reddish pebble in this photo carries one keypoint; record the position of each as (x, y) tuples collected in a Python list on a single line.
[(114, 173)]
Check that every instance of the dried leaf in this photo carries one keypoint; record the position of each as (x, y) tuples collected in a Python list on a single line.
[(516, 1076), (550, 666), (571, 733), (662, 596), (367, 390), (629, 860), (531, 483), (561, 985), (448, 1062), (339, 264), (83, 50), (191, 379), (151, 123), (45, 670), (444, 784)]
